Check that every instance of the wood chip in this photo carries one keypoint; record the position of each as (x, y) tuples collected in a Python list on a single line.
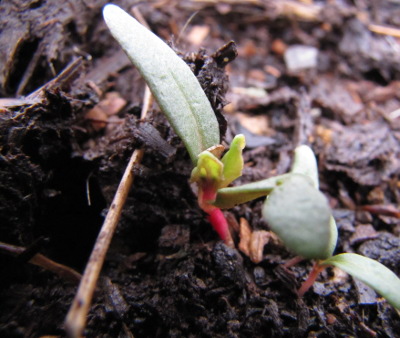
[(198, 34), (112, 104), (258, 125), (259, 239), (252, 242), (245, 237)]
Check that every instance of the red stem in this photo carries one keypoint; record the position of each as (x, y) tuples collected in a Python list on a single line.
[(207, 195), (311, 279), (219, 223)]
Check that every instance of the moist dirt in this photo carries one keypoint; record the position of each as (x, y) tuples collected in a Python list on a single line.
[(70, 119)]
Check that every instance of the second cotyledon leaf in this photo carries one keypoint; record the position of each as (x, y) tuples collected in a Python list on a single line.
[(170, 79), (300, 215)]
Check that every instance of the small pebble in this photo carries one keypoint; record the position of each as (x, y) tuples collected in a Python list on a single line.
[(299, 57)]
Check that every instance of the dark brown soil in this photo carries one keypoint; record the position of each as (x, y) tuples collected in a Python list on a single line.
[(63, 150)]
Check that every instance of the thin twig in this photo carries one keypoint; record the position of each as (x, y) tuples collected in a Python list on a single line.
[(139, 17), (185, 26), (147, 101), (45, 263), (384, 30), (76, 318)]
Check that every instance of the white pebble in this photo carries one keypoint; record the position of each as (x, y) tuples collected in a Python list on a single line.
[(299, 57)]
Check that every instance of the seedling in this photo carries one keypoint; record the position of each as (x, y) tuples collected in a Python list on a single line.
[(295, 209), (314, 236), (186, 107)]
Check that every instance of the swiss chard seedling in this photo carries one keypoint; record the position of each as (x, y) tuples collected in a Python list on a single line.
[(295, 209), (309, 230), (186, 107)]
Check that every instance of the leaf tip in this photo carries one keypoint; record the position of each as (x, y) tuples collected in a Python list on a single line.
[(109, 11), (241, 141), (305, 163)]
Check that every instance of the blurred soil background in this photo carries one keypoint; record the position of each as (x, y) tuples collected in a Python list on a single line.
[(322, 73)]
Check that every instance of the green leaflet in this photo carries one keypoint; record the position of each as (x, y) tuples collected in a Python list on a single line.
[(220, 172), (229, 197), (370, 272), (233, 160), (209, 169), (300, 215), (171, 81)]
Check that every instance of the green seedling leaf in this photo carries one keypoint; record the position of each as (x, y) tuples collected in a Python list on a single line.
[(305, 163), (169, 78), (300, 215), (370, 272), (229, 197), (209, 170), (233, 160)]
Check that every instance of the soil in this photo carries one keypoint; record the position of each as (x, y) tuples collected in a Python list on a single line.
[(69, 122)]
